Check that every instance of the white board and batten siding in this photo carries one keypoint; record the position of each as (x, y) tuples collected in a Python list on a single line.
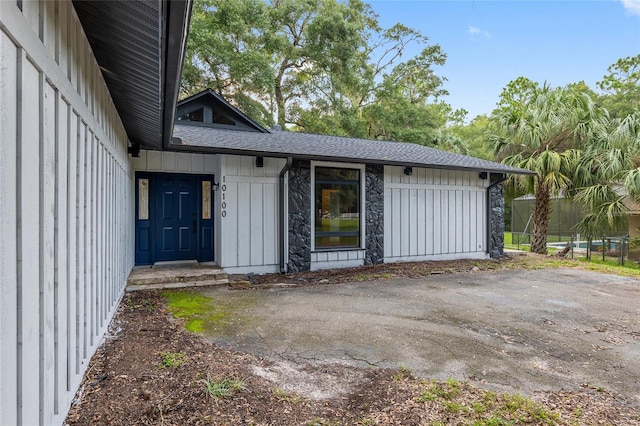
[(176, 162), (66, 244), (247, 205), (337, 259), (434, 215)]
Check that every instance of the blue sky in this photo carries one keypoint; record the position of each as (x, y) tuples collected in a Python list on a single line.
[(489, 43)]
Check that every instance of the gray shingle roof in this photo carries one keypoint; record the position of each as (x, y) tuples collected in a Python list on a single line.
[(327, 148)]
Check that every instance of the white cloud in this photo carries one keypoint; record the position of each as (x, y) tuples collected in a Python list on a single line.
[(632, 6), (477, 31)]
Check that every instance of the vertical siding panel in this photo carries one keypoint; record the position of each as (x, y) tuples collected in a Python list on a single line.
[(104, 234), (257, 230), (456, 212), (429, 222), (413, 221), (421, 216), (47, 256), (445, 220), (404, 222), (482, 221), (437, 223), (388, 200), (31, 11), (63, 37), (464, 219), (80, 250), (473, 215), (244, 224), (395, 221), (62, 242), (270, 218), (230, 225), (72, 246), (99, 242), (95, 215), (8, 226), (86, 324), (49, 26), (29, 246)]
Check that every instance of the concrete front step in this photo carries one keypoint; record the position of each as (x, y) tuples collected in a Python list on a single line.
[(175, 276), (182, 284)]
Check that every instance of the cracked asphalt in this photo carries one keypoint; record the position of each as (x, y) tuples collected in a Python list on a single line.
[(522, 330)]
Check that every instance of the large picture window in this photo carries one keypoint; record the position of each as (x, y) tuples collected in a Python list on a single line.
[(337, 208)]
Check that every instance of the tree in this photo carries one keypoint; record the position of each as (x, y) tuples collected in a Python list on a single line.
[(608, 176), (475, 136), (541, 132), (320, 65), (621, 87)]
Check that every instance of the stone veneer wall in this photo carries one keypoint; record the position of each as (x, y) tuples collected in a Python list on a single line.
[(374, 214), (496, 220), (300, 216)]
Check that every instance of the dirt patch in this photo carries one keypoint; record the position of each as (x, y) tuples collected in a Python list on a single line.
[(382, 271), (129, 382)]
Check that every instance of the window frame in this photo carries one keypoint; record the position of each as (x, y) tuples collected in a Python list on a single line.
[(362, 215)]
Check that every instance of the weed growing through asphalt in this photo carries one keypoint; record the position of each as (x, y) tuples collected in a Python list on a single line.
[(222, 388), (486, 408), (172, 359)]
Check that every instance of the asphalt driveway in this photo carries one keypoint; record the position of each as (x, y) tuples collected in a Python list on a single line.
[(519, 330)]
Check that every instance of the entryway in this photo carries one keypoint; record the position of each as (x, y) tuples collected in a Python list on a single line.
[(174, 217)]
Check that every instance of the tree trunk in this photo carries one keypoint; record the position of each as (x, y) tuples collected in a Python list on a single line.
[(280, 103), (542, 208)]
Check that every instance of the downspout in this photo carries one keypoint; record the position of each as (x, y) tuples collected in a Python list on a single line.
[(284, 228), (491, 186)]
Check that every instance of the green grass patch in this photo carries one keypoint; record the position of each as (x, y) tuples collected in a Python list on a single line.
[(223, 388), (194, 308), (172, 359), (202, 314), (486, 408)]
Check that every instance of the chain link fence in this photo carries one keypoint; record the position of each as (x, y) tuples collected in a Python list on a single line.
[(620, 248)]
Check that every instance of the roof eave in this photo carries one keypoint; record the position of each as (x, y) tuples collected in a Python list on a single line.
[(176, 145), (177, 16)]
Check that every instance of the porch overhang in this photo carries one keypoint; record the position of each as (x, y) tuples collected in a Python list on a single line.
[(140, 46)]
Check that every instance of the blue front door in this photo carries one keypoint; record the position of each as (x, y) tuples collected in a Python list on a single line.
[(177, 215), (170, 224)]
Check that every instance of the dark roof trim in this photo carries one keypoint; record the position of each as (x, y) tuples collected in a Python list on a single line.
[(178, 15), (140, 47), (226, 104), (178, 146)]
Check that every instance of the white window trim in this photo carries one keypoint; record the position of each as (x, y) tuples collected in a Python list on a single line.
[(363, 213)]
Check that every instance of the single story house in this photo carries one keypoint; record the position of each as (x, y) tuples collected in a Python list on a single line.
[(255, 200), (99, 173)]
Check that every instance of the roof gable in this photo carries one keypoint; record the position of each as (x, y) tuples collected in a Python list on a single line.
[(209, 109)]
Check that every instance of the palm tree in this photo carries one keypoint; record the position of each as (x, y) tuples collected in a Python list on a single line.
[(608, 174), (543, 133)]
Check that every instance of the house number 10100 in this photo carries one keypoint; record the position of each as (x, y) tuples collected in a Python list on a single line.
[(223, 213)]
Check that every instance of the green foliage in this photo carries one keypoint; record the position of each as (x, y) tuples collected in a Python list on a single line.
[(172, 359), (222, 388), (543, 129), (621, 87), (488, 408), (323, 66)]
